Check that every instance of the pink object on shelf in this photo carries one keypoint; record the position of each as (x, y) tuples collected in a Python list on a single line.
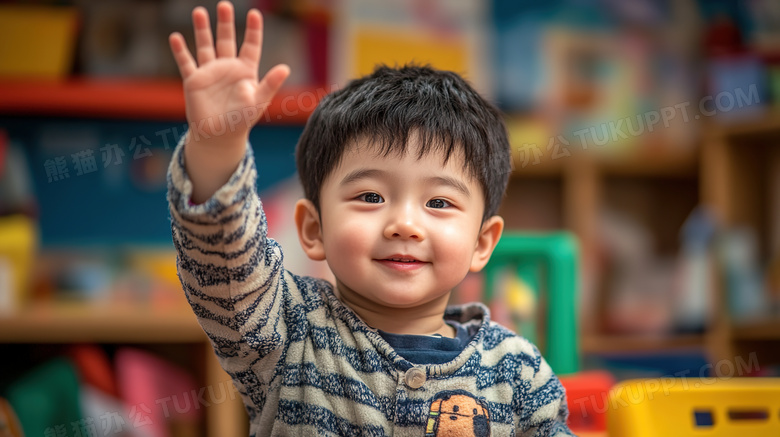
[(155, 392)]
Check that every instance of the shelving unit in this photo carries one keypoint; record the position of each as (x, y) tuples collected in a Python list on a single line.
[(665, 185), (737, 165)]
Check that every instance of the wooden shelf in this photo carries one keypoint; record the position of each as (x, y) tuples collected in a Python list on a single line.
[(649, 163), (768, 329), (642, 163), (767, 123), (599, 344), (544, 167), (110, 323), (157, 99)]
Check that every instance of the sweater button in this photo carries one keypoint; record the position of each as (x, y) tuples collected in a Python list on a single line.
[(415, 377)]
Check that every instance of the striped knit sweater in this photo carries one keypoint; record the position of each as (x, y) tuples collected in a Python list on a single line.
[(306, 364)]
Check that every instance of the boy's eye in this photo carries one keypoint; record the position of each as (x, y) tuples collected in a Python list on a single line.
[(437, 203), (371, 198)]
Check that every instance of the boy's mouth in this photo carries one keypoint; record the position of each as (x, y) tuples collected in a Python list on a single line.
[(401, 262), (402, 259)]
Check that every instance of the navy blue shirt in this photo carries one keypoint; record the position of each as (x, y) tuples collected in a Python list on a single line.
[(429, 349)]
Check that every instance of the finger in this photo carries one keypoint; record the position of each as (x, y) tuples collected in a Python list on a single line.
[(182, 55), (204, 43), (271, 83), (253, 38), (226, 30)]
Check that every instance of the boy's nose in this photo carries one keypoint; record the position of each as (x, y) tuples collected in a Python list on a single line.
[(404, 225)]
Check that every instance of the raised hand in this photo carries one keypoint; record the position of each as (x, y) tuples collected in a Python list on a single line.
[(221, 86), (222, 94)]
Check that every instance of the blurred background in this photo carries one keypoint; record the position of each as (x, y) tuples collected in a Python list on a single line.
[(647, 129)]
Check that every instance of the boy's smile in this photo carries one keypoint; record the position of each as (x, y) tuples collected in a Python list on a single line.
[(399, 233), (401, 262)]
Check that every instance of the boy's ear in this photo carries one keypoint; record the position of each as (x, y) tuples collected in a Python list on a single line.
[(486, 242), (307, 220)]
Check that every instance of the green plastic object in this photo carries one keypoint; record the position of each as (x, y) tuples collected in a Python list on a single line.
[(549, 264), (47, 397)]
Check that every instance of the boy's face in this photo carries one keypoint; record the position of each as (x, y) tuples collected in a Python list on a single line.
[(400, 231)]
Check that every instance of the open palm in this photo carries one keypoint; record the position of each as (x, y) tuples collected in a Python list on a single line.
[(223, 85)]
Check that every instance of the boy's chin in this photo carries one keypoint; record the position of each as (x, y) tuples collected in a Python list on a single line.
[(407, 300), (391, 299)]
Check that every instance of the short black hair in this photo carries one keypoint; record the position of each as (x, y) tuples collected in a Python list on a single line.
[(391, 104)]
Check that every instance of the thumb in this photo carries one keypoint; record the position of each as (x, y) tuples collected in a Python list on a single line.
[(271, 83)]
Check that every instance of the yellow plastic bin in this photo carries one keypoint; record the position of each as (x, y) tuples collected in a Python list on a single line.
[(689, 407), (37, 41)]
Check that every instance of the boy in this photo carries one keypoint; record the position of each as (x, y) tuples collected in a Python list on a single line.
[(403, 173)]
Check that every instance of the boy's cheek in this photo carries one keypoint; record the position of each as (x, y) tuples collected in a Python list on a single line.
[(347, 240)]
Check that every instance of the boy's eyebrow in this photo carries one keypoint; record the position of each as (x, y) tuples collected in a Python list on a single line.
[(362, 173), (448, 181)]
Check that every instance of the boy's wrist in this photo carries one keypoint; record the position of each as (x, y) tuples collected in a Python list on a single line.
[(211, 162), (211, 143)]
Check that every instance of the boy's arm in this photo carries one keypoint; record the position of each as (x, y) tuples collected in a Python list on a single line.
[(231, 274), (223, 97), (230, 271)]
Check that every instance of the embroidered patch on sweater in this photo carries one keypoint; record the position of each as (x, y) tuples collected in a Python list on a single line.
[(457, 413)]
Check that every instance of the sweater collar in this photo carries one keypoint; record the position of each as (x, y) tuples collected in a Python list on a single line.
[(475, 317)]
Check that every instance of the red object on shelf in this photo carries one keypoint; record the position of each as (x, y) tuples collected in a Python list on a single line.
[(587, 394), (133, 98), (94, 368)]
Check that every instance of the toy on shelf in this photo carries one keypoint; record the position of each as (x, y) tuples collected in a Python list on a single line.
[(47, 397), (546, 268)]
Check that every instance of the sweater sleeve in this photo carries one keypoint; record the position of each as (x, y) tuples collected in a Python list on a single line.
[(545, 411), (231, 273)]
